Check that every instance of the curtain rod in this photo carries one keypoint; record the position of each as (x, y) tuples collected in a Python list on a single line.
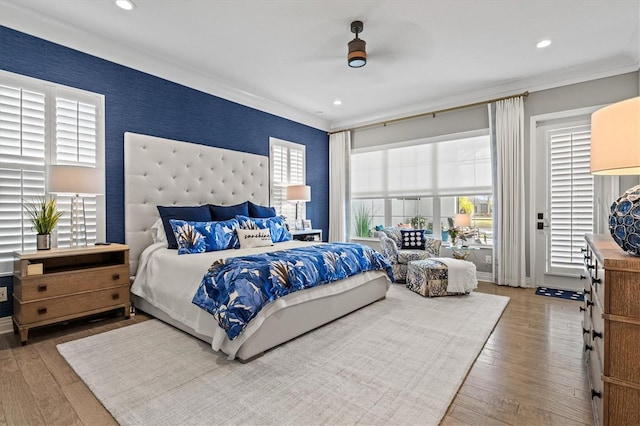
[(424, 114)]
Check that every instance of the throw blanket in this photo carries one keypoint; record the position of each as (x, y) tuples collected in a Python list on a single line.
[(235, 289), (462, 275)]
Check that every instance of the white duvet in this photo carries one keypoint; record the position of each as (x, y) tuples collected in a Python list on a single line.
[(168, 281)]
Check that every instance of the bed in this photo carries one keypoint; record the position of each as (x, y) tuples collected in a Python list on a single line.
[(167, 172)]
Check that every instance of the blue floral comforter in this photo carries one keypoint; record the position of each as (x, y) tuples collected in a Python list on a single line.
[(235, 289)]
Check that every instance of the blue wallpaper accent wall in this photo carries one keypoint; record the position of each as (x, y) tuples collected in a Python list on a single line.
[(141, 103)]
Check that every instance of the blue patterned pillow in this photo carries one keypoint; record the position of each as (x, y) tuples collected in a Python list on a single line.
[(276, 226), (412, 239), (200, 237), (192, 213)]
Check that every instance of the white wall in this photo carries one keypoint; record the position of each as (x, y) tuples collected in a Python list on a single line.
[(596, 92)]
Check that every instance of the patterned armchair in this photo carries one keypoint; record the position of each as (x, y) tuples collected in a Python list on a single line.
[(391, 240)]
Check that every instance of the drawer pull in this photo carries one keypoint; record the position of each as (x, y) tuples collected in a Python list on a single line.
[(115, 277), (595, 334), (590, 303), (590, 266), (595, 394), (585, 331), (588, 348), (582, 309), (42, 311), (583, 249), (596, 280), (587, 291), (42, 287), (115, 296), (582, 277)]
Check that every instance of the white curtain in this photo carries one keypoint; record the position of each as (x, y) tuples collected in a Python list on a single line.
[(507, 132), (339, 186)]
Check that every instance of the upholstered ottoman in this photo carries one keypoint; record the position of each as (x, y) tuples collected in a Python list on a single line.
[(441, 277)]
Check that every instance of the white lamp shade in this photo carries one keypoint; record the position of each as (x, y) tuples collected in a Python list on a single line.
[(462, 220), (615, 139), (298, 193), (75, 180)]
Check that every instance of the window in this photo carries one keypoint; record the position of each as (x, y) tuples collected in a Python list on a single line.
[(288, 167), (427, 182), (40, 124), (570, 196)]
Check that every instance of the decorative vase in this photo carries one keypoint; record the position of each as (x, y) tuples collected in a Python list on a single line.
[(624, 221), (43, 241)]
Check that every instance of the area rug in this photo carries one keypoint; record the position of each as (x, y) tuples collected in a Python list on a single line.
[(398, 361), (562, 294)]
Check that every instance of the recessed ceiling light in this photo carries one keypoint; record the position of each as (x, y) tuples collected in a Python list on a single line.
[(543, 43), (125, 4), (337, 102)]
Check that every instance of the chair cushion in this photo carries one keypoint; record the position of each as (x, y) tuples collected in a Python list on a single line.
[(406, 256)]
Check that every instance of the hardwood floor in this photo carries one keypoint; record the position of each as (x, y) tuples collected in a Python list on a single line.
[(530, 372)]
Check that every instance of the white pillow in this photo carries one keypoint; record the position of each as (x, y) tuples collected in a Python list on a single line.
[(254, 238), (157, 232)]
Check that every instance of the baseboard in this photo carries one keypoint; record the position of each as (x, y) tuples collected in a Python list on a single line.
[(6, 325), (484, 276)]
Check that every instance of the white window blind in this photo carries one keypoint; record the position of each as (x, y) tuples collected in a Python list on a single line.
[(570, 196), (452, 167), (40, 124), (288, 167)]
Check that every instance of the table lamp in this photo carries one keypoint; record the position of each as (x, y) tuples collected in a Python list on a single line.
[(615, 150), (298, 193), (77, 181), (462, 220)]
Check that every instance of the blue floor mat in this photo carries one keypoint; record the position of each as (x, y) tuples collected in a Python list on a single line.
[(562, 294)]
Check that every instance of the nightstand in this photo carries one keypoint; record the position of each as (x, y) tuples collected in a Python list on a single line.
[(61, 284), (307, 234)]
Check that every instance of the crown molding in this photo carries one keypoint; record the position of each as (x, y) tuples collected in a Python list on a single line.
[(39, 25), (565, 77)]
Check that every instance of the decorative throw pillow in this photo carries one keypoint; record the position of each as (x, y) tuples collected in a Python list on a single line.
[(228, 212), (200, 237), (192, 213), (254, 238), (261, 211), (413, 239), (276, 226)]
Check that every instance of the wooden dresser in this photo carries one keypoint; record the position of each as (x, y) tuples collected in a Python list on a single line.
[(51, 286), (611, 330)]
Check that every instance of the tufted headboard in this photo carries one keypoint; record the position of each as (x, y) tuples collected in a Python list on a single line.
[(166, 172)]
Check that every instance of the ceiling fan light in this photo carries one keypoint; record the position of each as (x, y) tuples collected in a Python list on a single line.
[(357, 53)]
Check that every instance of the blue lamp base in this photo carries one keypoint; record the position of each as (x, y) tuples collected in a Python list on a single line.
[(624, 221)]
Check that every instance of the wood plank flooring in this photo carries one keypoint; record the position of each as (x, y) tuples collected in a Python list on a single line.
[(529, 373)]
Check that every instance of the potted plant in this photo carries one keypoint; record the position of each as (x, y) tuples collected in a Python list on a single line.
[(418, 222), (363, 221), (44, 218)]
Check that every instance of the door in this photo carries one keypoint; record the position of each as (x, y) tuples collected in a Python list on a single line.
[(563, 205)]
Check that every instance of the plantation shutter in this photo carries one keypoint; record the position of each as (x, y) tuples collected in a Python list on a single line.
[(287, 161), (22, 167), (43, 123), (76, 144), (571, 196)]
